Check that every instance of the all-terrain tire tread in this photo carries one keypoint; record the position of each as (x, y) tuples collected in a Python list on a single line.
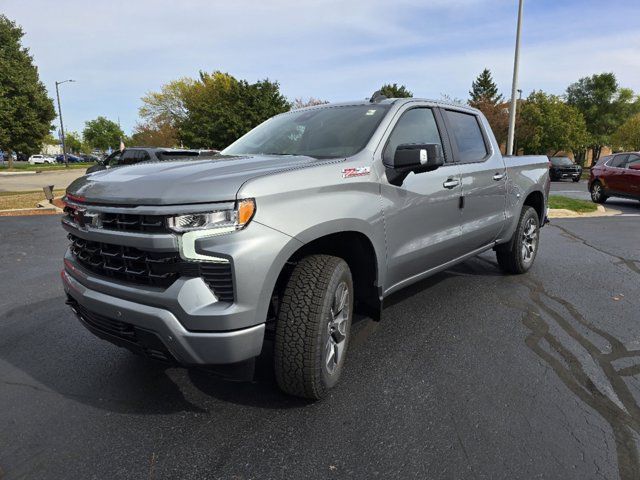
[(297, 370)]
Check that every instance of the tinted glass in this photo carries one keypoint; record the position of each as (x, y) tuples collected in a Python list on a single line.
[(128, 157), (633, 160), (330, 132), (143, 156), (561, 161), (618, 161), (467, 136), (415, 126)]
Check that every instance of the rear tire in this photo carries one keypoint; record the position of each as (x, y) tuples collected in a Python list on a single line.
[(517, 256), (313, 326), (576, 180), (597, 193)]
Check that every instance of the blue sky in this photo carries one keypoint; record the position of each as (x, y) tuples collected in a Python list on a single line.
[(331, 49)]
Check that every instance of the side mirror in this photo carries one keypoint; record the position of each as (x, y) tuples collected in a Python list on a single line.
[(413, 157)]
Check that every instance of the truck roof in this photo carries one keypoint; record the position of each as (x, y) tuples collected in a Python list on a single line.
[(389, 101)]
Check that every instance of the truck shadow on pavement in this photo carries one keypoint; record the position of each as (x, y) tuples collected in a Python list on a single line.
[(54, 355)]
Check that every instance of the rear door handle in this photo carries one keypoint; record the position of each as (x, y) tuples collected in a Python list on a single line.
[(451, 183), (498, 176)]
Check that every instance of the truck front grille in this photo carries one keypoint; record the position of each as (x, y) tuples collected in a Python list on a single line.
[(158, 269), (117, 221)]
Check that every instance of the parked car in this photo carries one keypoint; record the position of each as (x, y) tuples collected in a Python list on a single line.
[(616, 176), (310, 216), (88, 157), (564, 168), (133, 155), (70, 158), (36, 159)]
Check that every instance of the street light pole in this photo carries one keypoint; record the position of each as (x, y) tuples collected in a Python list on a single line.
[(64, 150), (514, 85)]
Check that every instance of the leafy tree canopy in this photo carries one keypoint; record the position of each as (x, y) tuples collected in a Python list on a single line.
[(484, 90), (73, 142), (395, 91), (168, 105), (27, 111), (549, 125), (627, 137), (604, 105), (102, 133), (222, 108), (154, 135)]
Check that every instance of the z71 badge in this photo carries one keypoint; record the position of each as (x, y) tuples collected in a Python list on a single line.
[(355, 172)]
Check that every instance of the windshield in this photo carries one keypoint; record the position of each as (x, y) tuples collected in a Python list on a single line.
[(561, 161), (330, 132)]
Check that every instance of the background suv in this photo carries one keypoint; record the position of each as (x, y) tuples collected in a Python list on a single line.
[(616, 176), (564, 167), (133, 155)]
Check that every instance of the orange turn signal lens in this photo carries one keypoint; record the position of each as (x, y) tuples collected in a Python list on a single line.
[(246, 210)]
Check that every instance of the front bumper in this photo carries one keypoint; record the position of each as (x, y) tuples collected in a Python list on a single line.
[(137, 327), (186, 318)]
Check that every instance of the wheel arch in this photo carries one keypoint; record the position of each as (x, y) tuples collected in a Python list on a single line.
[(357, 249)]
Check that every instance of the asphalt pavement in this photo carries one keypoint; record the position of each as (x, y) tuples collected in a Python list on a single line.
[(471, 375)]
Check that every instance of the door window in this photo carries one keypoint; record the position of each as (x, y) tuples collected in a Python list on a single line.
[(619, 161), (633, 160), (128, 157), (417, 125), (467, 136)]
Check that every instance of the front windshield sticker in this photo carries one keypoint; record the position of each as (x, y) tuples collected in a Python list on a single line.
[(371, 112), (355, 172)]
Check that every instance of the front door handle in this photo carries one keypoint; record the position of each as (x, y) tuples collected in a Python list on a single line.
[(451, 183), (498, 176)]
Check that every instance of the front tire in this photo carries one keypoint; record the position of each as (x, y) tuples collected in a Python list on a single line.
[(313, 326), (597, 193), (576, 180), (517, 256)]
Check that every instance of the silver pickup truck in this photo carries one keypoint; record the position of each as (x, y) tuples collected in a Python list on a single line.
[(313, 215)]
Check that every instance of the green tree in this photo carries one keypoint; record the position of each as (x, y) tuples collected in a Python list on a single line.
[(151, 135), (167, 107), (102, 133), (627, 137), (604, 105), (549, 125), (221, 108), (26, 110), (73, 142), (484, 90), (395, 91)]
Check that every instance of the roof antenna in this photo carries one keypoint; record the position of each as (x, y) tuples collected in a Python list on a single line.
[(377, 97)]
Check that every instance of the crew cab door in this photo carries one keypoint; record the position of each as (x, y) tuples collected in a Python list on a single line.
[(484, 179), (614, 173), (421, 215), (631, 176)]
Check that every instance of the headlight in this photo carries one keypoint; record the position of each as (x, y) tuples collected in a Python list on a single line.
[(219, 221)]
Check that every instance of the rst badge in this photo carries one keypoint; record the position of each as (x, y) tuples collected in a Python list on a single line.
[(355, 172)]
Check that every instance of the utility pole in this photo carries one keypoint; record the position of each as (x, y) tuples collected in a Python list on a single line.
[(514, 85), (64, 149)]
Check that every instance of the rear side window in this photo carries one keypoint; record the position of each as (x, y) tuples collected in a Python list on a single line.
[(619, 161), (467, 136), (417, 125), (128, 157), (633, 160)]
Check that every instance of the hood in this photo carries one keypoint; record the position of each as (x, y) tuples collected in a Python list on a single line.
[(177, 182)]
